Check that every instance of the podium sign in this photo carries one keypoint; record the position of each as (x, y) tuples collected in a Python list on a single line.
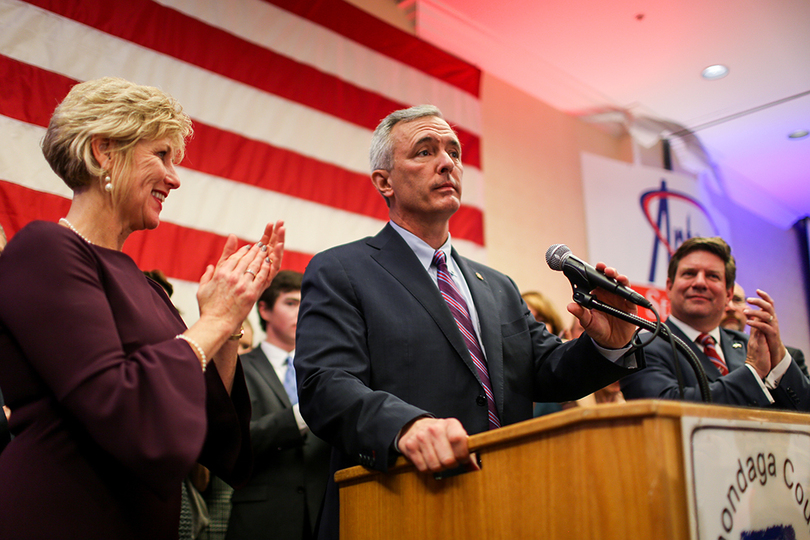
[(747, 480), (657, 470)]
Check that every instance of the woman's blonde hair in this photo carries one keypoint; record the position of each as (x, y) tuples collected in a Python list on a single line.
[(546, 312), (120, 111)]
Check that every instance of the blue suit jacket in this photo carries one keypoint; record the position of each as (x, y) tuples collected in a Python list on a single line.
[(739, 387), (377, 347)]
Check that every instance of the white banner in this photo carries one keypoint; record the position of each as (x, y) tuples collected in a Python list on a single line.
[(637, 217), (747, 480)]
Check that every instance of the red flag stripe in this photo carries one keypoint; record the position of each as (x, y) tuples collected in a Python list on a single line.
[(207, 202), (146, 23), (230, 155), (181, 252), (304, 40), (361, 27), (281, 120)]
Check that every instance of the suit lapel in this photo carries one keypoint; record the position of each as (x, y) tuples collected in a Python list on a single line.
[(712, 373), (735, 349), (398, 259), (490, 323), (259, 361)]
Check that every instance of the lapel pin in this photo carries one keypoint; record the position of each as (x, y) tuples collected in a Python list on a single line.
[(737, 345), (479, 276)]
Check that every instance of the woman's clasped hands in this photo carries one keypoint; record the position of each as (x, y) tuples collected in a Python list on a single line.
[(229, 289)]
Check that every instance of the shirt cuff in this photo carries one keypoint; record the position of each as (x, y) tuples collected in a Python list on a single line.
[(615, 355), (761, 383), (302, 426), (775, 376)]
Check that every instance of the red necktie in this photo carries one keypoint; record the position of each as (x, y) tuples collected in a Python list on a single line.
[(710, 350), (458, 307)]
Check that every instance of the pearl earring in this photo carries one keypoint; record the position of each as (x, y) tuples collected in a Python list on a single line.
[(108, 184)]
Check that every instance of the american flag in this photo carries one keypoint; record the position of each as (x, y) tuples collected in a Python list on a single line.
[(284, 95)]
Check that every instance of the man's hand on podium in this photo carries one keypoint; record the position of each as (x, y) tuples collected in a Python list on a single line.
[(436, 444)]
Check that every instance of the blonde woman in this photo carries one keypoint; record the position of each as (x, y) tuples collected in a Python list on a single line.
[(113, 398)]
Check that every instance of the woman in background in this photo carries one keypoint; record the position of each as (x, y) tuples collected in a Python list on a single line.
[(544, 311), (113, 399)]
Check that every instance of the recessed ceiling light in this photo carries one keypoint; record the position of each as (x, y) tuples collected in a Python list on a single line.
[(800, 134), (717, 71)]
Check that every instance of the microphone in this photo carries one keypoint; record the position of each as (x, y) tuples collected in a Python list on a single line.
[(584, 276)]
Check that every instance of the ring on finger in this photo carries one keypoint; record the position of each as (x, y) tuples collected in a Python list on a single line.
[(251, 272), (771, 319)]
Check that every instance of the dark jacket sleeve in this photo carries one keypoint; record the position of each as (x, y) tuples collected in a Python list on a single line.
[(272, 422), (659, 380), (793, 391), (227, 451), (333, 369)]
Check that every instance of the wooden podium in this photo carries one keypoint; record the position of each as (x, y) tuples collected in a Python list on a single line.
[(605, 472)]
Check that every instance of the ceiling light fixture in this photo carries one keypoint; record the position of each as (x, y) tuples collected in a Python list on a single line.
[(799, 134), (717, 71)]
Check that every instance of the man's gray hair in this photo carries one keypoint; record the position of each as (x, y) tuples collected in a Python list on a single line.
[(381, 155)]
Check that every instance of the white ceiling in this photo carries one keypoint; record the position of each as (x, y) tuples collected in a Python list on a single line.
[(643, 58)]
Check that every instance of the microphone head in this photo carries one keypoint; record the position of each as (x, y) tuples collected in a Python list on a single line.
[(556, 255)]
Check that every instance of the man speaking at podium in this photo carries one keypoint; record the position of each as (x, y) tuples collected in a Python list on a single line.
[(405, 347)]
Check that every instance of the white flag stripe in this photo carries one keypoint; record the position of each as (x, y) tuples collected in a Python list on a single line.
[(310, 226), (225, 207), (294, 37), (22, 162), (246, 110), (206, 96), (184, 297)]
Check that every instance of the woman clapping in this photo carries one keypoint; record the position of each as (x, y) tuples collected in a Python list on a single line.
[(113, 398)]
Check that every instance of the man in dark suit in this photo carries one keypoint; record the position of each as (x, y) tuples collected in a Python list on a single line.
[(283, 497), (700, 282), (383, 366)]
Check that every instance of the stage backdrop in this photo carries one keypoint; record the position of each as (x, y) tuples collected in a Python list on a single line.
[(657, 209), (284, 95)]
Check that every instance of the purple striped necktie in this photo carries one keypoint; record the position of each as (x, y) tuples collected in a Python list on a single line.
[(710, 350), (458, 307)]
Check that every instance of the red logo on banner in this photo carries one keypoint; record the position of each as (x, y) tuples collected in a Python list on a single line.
[(659, 299)]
